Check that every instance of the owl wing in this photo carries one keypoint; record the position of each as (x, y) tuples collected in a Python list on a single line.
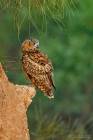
[(39, 73), (43, 60)]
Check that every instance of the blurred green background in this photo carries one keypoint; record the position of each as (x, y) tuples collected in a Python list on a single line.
[(65, 31)]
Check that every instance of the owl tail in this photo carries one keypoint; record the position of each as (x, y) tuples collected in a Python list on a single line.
[(50, 95)]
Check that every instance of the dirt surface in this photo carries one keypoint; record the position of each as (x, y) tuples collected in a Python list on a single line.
[(14, 101)]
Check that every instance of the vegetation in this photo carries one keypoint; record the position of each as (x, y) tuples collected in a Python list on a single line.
[(65, 31)]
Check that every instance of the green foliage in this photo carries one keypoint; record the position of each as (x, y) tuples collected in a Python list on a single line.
[(68, 46), (47, 126), (67, 38), (31, 9)]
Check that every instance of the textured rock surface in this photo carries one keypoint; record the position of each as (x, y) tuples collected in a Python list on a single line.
[(14, 101)]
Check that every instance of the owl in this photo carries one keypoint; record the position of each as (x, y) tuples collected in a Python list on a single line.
[(37, 67)]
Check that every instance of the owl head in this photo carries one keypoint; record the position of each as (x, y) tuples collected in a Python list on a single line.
[(30, 45)]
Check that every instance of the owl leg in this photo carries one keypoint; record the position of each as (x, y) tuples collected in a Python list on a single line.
[(32, 83)]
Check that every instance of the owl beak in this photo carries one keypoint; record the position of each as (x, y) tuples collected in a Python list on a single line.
[(37, 45)]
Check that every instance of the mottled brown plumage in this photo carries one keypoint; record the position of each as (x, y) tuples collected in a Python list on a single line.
[(37, 67)]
